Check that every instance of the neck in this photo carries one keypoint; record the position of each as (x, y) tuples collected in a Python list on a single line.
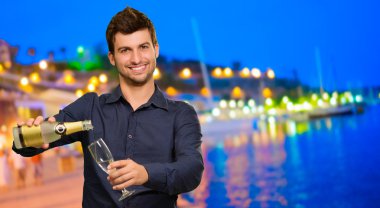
[(137, 95)]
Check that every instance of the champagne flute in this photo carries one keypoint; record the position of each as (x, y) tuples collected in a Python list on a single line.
[(103, 158)]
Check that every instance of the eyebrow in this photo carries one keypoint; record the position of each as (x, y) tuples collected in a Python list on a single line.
[(127, 47)]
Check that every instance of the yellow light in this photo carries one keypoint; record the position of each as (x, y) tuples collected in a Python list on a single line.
[(94, 80), (227, 72), (333, 101), (68, 77), (1, 68), (91, 87), (103, 78), (256, 73), (232, 114), (205, 92), (270, 73), (217, 72), (79, 93), (156, 73), (24, 81), (185, 73), (171, 91), (245, 73), (35, 77), (335, 94), (290, 106), (7, 64), (43, 65), (237, 93), (267, 93)]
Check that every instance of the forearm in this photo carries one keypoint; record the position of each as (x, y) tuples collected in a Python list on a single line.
[(181, 176)]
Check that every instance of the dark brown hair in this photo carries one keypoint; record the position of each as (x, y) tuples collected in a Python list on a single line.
[(126, 22)]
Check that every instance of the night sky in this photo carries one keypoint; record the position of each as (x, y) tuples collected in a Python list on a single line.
[(283, 35)]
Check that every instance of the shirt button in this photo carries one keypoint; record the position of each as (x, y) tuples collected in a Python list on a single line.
[(130, 136)]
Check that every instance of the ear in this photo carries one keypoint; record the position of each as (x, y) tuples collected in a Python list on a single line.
[(111, 57), (157, 50)]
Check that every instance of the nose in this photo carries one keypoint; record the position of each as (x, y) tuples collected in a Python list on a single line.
[(136, 58)]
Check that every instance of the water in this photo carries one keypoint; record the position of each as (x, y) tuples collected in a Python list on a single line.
[(332, 162)]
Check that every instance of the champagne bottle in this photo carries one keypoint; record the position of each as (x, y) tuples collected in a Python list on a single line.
[(46, 132)]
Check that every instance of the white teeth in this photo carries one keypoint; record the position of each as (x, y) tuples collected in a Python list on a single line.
[(137, 68)]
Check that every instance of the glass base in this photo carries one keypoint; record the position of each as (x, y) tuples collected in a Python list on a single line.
[(126, 194)]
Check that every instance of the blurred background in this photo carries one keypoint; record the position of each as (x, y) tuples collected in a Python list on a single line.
[(287, 94)]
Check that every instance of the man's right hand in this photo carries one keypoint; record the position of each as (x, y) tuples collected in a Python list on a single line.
[(36, 122)]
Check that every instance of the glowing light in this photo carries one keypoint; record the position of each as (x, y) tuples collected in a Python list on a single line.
[(320, 102), (245, 73), (359, 98), (24, 81), (217, 72), (307, 106), (240, 103), (103, 78), (215, 112), (1, 68), (91, 87), (256, 73), (270, 73), (237, 93), (80, 50), (232, 104), (314, 97), (185, 73), (267, 93), (246, 110), (343, 100), (223, 104), (272, 119), (333, 101), (268, 102), (35, 77), (251, 103), (325, 96), (335, 94), (7, 64), (232, 114), (43, 65), (260, 109), (290, 106), (272, 111), (171, 91), (94, 80), (79, 93), (68, 77), (285, 99), (227, 72), (205, 92)]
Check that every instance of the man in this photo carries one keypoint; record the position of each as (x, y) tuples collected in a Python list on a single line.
[(155, 141)]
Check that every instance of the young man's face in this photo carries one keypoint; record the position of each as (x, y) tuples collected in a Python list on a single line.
[(134, 57)]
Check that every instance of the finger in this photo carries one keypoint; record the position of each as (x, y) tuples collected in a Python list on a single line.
[(45, 146), (126, 184), (117, 164), (123, 178), (52, 119), (38, 120), (29, 122), (114, 174), (20, 123)]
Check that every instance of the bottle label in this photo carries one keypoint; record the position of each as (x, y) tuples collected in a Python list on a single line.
[(60, 129)]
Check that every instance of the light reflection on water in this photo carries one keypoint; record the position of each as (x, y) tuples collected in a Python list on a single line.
[(321, 163)]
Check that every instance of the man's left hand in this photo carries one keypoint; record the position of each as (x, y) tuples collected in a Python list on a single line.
[(125, 173)]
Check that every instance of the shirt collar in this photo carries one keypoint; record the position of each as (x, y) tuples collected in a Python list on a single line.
[(158, 99)]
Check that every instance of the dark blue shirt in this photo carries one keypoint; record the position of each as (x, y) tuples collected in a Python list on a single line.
[(162, 135)]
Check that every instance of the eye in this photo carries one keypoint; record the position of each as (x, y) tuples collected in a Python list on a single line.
[(145, 46), (123, 50)]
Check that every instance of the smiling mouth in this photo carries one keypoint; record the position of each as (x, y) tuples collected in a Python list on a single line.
[(138, 69)]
